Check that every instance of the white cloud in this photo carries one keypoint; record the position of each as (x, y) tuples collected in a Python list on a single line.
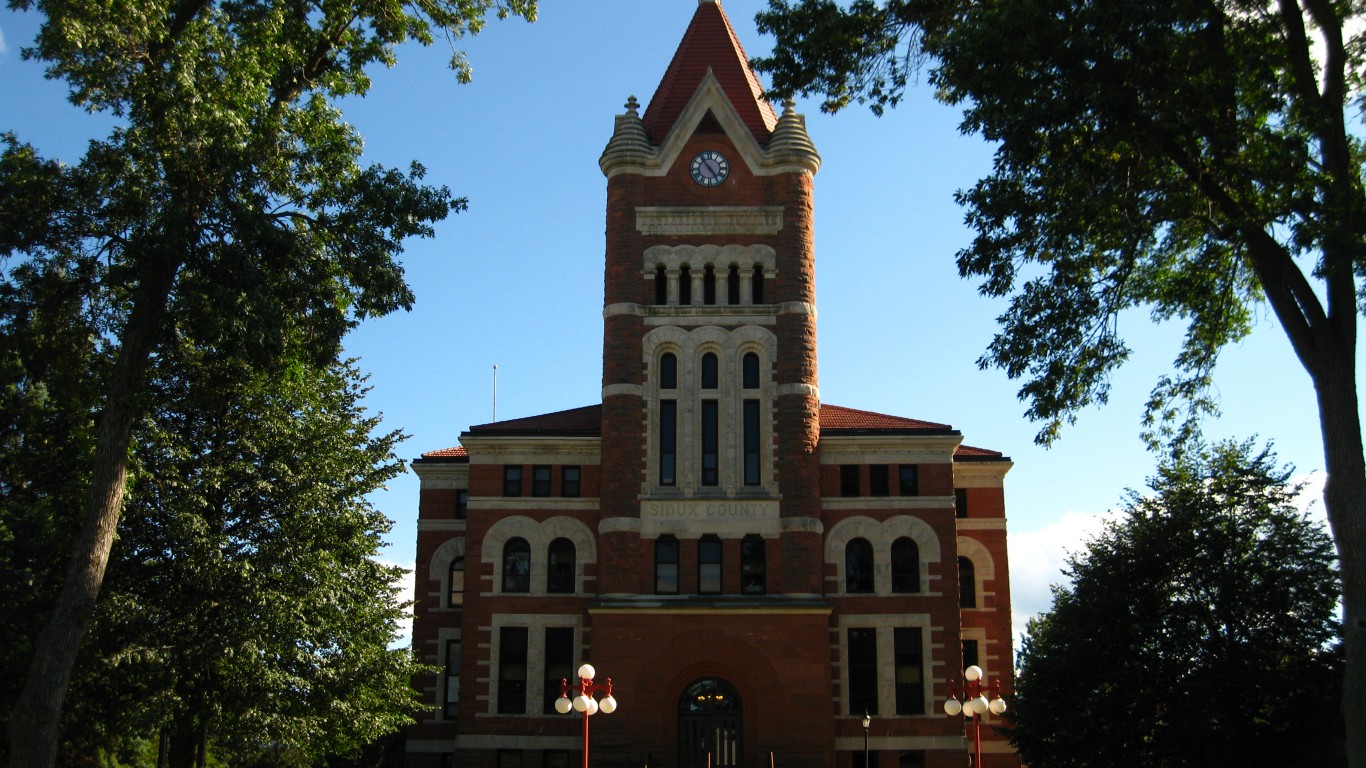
[(4, 48), (405, 594), (1037, 558)]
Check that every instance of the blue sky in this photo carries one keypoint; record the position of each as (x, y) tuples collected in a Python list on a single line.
[(516, 281)]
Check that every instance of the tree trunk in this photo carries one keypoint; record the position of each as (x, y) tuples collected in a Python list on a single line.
[(35, 727), (1344, 496)]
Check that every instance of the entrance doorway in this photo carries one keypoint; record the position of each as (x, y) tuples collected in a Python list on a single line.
[(710, 725)]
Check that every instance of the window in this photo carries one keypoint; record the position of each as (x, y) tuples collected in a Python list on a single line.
[(967, 583), (540, 481), (909, 673), (905, 565), (510, 758), (668, 371), (733, 286), (757, 287), (970, 657), (559, 575), (751, 442), (878, 480), (462, 504), (912, 759), (860, 758), (909, 476), (753, 565), (661, 285), (512, 671), (455, 583), (570, 480), (858, 566), (668, 442), (512, 481), (709, 566), (709, 285), (750, 371), (559, 758), (452, 679), (559, 664), (849, 480), (960, 502), (666, 565), (709, 371), (863, 671), (711, 462), (516, 565), (685, 286)]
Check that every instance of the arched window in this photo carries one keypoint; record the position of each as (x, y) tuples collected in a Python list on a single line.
[(455, 592), (559, 577), (750, 370), (757, 287), (666, 565), (709, 285), (753, 565), (733, 285), (905, 565), (967, 583), (710, 376), (661, 285), (858, 566), (516, 565), (685, 286), (668, 371)]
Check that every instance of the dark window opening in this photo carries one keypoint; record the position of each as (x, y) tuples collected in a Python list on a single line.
[(751, 442), (685, 286), (540, 481), (711, 462), (452, 702), (967, 583), (510, 758), (462, 504), (512, 671), (512, 481), (858, 567), (559, 664), (570, 480), (863, 671), (909, 476), (905, 565), (517, 565), (970, 657), (733, 286), (709, 566), (750, 371), (710, 371), (849, 479), (753, 566), (668, 442), (757, 287), (559, 577), (912, 759), (455, 585), (709, 285), (666, 565), (960, 502), (879, 480), (668, 371), (909, 672)]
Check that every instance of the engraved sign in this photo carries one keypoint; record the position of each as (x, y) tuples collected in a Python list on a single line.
[(692, 517)]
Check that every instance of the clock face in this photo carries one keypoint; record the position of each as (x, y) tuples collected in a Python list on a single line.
[(709, 168)]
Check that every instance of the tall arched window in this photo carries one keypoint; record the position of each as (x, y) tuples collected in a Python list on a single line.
[(709, 285), (517, 565), (753, 565), (559, 576), (661, 285), (967, 583), (905, 565), (455, 592), (757, 286), (750, 371), (668, 371), (858, 566), (733, 285), (710, 371), (685, 286)]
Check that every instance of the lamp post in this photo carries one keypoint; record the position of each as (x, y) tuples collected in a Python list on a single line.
[(584, 701), (976, 699), (867, 721)]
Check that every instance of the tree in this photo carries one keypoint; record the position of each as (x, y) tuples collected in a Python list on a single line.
[(1187, 157), (1194, 632), (228, 207)]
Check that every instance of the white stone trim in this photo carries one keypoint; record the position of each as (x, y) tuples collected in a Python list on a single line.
[(533, 449), (536, 624), (846, 503), (980, 474), (931, 638), (709, 220), (889, 449), (538, 537), (881, 535), (442, 475)]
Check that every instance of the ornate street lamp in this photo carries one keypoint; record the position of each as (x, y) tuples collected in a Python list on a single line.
[(584, 701), (974, 698)]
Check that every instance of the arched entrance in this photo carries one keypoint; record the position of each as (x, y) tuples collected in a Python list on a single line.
[(710, 725)]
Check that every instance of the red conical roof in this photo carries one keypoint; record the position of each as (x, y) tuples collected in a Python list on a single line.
[(710, 42)]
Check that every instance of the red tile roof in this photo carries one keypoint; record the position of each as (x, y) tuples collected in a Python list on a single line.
[(971, 453), (456, 454), (709, 42), (576, 421), (840, 419)]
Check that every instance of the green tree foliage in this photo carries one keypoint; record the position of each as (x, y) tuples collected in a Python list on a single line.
[(1188, 158), (228, 209), (1193, 632)]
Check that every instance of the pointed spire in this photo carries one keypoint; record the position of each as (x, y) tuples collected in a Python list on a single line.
[(629, 144), (709, 42), (790, 144)]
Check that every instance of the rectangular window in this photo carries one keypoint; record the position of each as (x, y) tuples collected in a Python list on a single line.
[(753, 565), (711, 464), (668, 442), (540, 481), (709, 566), (970, 654), (509, 758), (849, 480), (879, 480), (666, 565), (452, 679), (751, 437), (558, 758), (569, 482), (912, 759), (559, 663), (863, 671), (462, 504), (910, 678), (960, 502), (909, 476), (512, 671), (512, 481)]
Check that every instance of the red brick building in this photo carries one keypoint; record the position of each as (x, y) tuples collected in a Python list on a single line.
[(753, 568)]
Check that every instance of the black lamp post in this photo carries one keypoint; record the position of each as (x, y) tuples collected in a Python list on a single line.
[(867, 721)]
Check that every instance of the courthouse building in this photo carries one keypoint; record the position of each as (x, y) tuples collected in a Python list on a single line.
[(755, 569)]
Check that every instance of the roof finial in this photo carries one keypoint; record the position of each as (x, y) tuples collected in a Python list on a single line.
[(632, 105)]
